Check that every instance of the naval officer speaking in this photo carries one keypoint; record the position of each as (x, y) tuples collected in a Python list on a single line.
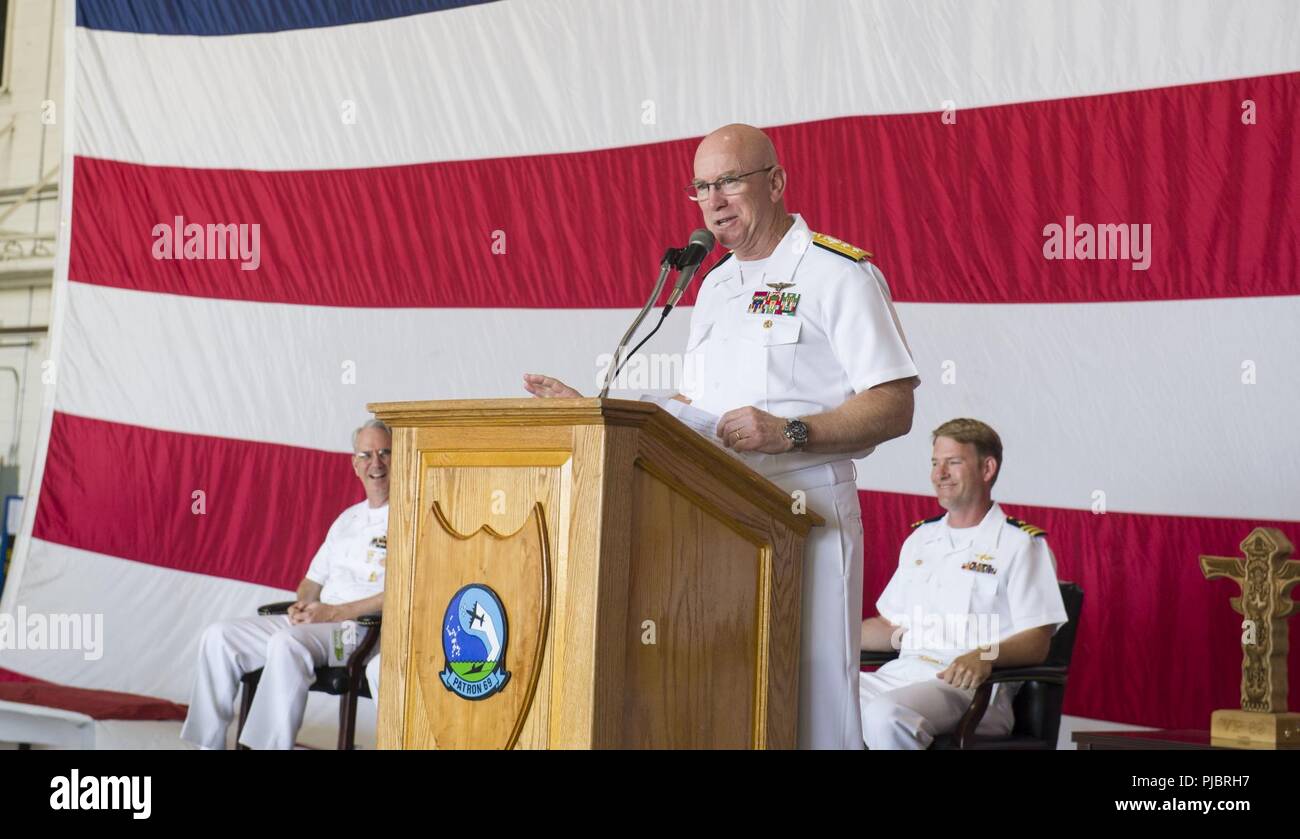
[(800, 353)]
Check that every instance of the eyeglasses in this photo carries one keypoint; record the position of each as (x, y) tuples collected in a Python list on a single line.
[(384, 456), (730, 185)]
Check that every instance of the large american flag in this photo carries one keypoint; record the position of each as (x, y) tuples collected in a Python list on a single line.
[(447, 194)]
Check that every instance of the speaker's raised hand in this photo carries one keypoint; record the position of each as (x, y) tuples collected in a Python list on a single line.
[(547, 387)]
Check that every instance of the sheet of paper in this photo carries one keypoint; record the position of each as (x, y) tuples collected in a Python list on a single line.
[(701, 422)]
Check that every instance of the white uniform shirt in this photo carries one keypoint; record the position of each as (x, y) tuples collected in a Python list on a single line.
[(350, 563), (834, 334), (955, 590)]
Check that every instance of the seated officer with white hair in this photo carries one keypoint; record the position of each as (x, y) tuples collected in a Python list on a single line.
[(974, 589), (344, 581)]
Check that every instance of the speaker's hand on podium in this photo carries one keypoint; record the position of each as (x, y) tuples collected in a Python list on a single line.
[(547, 387)]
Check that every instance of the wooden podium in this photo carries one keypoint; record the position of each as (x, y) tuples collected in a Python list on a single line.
[(583, 573)]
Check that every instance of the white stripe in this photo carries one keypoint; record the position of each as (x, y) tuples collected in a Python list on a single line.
[(549, 76), (1142, 401), (152, 620), (278, 373)]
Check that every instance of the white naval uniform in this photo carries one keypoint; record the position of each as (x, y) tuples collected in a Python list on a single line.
[(955, 590), (841, 338), (372, 676), (349, 566)]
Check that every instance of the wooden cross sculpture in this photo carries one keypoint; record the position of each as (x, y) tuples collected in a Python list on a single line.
[(1266, 576)]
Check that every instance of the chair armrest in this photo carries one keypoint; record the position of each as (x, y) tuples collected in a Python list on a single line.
[(1041, 673), (357, 662), (980, 701), (283, 609), (875, 658)]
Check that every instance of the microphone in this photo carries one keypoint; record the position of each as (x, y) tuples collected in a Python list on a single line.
[(699, 246), (686, 260), (671, 255)]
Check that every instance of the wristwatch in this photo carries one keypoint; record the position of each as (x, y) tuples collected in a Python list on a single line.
[(796, 431)]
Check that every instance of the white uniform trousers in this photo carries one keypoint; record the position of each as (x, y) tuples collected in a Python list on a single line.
[(905, 706), (832, 608), (372, 676), (288, 655)]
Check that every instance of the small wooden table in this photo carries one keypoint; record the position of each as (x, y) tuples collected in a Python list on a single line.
[(1183, 739)]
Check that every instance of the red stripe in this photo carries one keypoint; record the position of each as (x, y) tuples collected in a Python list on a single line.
[(96, 704), (1158, 644), (128, 492), (953, 212), (15, 676)]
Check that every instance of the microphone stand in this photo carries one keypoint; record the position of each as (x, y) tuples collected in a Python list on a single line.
[(665, 265)]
